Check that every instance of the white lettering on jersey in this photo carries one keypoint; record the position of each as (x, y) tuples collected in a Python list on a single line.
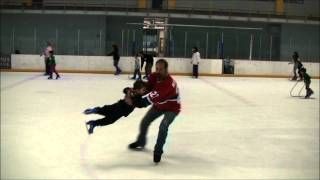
[(174, 84)]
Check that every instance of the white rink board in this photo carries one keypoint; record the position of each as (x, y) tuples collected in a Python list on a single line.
[(176, 65), (105, 63), (282, 68)]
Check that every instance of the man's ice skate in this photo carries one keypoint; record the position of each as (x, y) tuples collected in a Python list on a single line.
[(136, 146), (156, 158), (90, 125)]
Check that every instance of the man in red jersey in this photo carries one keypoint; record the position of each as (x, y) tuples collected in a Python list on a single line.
[(164, 97)]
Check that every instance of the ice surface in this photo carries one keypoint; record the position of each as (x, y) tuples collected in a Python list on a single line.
[(229, 127)]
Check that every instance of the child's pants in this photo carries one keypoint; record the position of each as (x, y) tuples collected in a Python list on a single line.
[(53, 70), (137, 72), (195, 71)]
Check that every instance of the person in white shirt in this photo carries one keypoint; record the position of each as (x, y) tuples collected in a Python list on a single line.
[(195, 62)]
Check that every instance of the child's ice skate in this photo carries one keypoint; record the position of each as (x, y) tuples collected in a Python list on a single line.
[(136, 146), (309, 93), (90, 111), (294, 78), (90, 125)]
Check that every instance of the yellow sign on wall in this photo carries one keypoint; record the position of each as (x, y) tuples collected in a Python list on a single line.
[(142, 4), (279, 7), (27, 2), (171, 4)]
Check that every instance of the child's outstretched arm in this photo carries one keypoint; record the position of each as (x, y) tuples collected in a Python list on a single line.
[(141, 102)]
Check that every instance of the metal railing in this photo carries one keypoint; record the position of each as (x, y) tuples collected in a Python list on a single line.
[(205, 7)]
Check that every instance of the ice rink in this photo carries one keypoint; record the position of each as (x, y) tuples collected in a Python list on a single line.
[(229, 128)]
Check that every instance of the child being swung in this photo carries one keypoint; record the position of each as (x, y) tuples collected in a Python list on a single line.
[(119, 109)]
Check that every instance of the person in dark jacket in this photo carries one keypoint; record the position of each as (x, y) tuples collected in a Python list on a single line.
[(46, 54), (307, 82), (297, 65), (119, 109), (149, 63), (116, 58)]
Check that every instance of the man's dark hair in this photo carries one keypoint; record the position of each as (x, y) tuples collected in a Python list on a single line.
[(139, 84), (163, 61)]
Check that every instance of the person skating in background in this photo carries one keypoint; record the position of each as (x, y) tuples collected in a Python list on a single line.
[(136, 67), (46, 55), (52, 66), (165, 100), (116, 58), (119, 109), (195, 60), (307, 82), (149, 63), (297, 65)]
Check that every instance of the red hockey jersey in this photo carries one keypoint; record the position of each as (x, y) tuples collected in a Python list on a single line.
[(164, 94)]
